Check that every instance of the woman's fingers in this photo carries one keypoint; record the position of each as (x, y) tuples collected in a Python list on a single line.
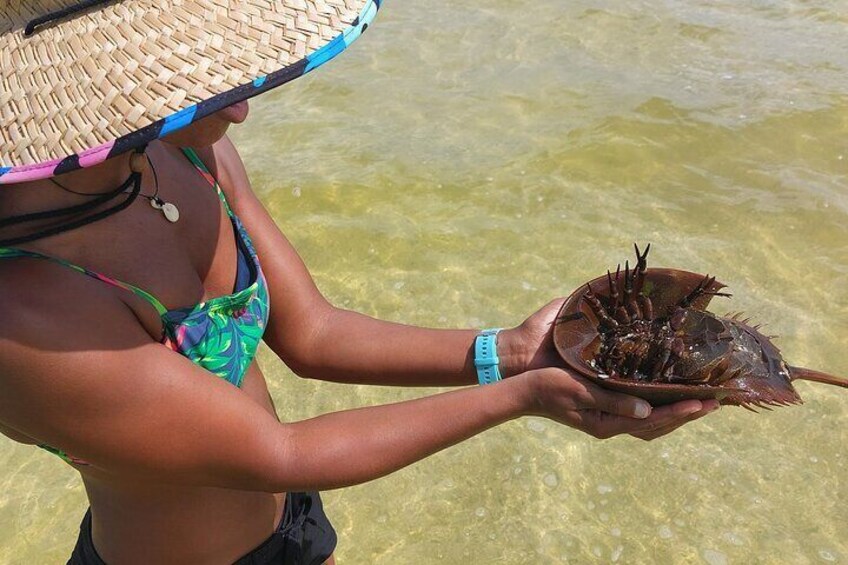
[(707, 407), (619, 404), (602, 413), (661, 421), (592, 397)]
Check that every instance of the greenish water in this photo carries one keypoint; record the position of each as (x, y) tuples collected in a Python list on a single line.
[(466, 163)]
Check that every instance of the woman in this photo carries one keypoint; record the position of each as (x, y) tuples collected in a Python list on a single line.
[(129, 329)]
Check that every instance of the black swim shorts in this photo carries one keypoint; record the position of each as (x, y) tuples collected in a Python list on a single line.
[(305, 537)]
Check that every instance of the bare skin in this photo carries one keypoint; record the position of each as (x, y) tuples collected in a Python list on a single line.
[(186, 468)]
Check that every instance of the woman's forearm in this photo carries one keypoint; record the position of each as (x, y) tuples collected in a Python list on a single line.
[(354, 446), (354, 348)]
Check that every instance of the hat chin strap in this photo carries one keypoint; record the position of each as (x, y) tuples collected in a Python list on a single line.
[(63, 13)]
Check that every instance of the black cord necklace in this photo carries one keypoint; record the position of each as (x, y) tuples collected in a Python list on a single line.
[(168, 209), (131, 187)]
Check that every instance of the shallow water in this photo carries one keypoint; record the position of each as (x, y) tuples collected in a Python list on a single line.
[(462, 167)]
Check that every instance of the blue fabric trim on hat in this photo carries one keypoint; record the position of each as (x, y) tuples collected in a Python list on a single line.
[(352, 34), (370, 12), (177, 121), (342, 41), (259, 81), (4, 170), (326, 53)]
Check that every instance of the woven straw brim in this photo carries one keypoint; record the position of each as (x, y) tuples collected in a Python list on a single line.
[(108, 79)]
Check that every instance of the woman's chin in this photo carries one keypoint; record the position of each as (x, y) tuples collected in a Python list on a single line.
[(195, 140), (236, 113), (207, 131)]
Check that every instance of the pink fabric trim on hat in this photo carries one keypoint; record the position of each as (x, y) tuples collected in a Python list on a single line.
[(26, 174), (91, 157), (88, 158)]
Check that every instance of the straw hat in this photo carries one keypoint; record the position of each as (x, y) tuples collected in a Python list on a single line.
[(100, 81)]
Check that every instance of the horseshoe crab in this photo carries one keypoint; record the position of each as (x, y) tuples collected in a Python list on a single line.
[(647, 332)]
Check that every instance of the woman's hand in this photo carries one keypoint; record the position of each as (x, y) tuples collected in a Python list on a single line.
[(531, 345), (577, 402)]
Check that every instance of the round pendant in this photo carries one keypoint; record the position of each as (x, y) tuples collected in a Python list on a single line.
[(171, 212)]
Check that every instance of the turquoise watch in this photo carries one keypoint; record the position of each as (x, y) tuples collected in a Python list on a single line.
[(486, 356)]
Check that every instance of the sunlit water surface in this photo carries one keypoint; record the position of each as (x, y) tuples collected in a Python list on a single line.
[(466, 163)]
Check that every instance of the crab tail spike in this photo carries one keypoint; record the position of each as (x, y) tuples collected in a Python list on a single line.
[(724, 294), (628, 283), (696, 292), (746, 406), (598, 308), (641, 258), (638, 283), (800, 373), (761, 403), (613, 291), (641, 268)]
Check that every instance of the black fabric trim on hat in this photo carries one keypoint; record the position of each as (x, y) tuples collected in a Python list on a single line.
[(59, 14), (208, 107), (135, 139), (68, 164)]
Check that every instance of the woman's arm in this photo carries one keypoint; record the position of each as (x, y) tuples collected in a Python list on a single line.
[(318, 340), (92, 382)]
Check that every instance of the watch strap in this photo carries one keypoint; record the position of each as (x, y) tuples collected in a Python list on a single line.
[(486, 356)]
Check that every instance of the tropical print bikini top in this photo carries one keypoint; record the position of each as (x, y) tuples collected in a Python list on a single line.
[(221, 334)]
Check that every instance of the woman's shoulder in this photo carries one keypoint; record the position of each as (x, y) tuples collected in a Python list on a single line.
[(46, 305), (53, 320)]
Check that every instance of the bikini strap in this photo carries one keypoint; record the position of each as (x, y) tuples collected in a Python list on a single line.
[(201, 168), (13, 252)]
